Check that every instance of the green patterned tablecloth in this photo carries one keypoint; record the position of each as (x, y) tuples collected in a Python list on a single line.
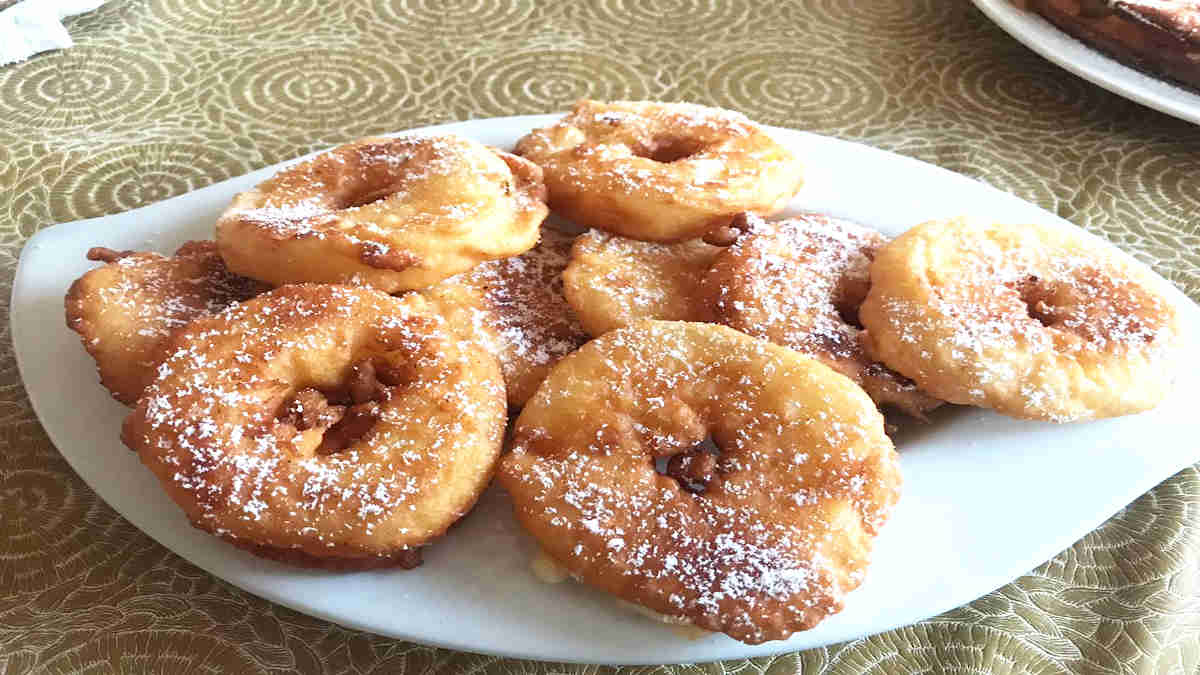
[(163, 96)]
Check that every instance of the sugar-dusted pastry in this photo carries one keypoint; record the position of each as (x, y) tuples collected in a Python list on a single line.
[(394, 213), (758, 541), (660, 171), (1037, 322), (323, 425)]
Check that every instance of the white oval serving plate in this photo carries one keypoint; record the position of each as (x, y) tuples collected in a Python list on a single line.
[(985, 500), (1095, 66)]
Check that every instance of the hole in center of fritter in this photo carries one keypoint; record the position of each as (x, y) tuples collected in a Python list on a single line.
[(667, 150), (370, 197), (849, 295), (345, 414), (696, 469), (1038, 296), (351, 428), (848, 313)]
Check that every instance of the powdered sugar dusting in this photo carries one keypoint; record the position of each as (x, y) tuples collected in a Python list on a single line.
[(795, 282), (127, 310), (700, 162), (613, 281), (1029, 322), (386, 203), (746, 557), (212, 426), (325, 196), (515, 307)]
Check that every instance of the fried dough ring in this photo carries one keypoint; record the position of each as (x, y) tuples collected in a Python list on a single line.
[(612, 281), (126, 311), (660, 171), (322, 425), (1034, 321), (798, 283), (516, 310), (782, 527), (394, 213)]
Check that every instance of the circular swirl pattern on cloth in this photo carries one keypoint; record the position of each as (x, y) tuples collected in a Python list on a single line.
[(27, 204), (982, 86), (1173, 182), (8, 169), (1117, 169), (111, 16), (958, 644), (235, 18), (82, 86), (648, 20), (318, 90), (19, 428), (999, 164), (796, 88), (134, 651), (452, 18), (54, 522), (1148, 206), (551, 79), (1124, 537), (899, 21), (130, 176)]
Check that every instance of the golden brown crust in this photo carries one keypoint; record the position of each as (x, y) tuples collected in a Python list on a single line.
[(406, 559), (798, 283), (126, 311), (515, 309), (1034, 321), (612, 281), (660, 171), (782, 527), (394, 213), (266, 428), (1160, 37)]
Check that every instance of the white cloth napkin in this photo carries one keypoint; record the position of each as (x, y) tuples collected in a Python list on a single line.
[(34, 26)]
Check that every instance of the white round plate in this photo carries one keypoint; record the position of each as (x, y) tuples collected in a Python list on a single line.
[(985, 500), (1044, 38)]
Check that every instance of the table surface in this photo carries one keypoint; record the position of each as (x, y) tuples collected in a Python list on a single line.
[(163, 96)]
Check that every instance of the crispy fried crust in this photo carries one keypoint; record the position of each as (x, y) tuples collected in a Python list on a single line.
[(320, 421), (660, 171), (1034, 321), (515, 309), (1160, 37), (781, 528), (798, 283), (126, 311), (613, 281), (406, 559), (394, 213)]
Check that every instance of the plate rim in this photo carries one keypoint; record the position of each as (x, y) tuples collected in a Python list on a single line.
[(349, 621), (1107, 72)]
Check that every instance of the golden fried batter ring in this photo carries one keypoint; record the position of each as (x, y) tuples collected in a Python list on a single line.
[(798, 283), (613, 281), (763, 542), (1037, 322), (126, 311), (395, 213), (516, 310), (323, 425), (660, 171)]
